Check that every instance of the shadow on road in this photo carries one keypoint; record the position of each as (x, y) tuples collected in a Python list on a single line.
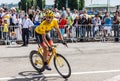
[(34, 76)]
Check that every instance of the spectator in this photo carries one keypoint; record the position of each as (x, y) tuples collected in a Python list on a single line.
[(18, 29), (6, 15), (13, 37), (96, 23), (13, 18), (5, 7), (64, 11), (0, 26), (37, 17), (116, 21), (118, 10), (57, 14), (83, 27), (5, 29), (37, 21), (0, 18), (31, 13), (69, 24), (101, 18), (22, 14), (89, 27), (62, 24), (26, 26), (107, 25), (75, 14), (76, 24)]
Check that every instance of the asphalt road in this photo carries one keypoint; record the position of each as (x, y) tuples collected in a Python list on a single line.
[(92, 61)]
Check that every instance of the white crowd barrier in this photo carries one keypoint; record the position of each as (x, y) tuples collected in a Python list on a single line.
[(68, 32)]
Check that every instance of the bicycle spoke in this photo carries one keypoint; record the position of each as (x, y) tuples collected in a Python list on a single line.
[(62, 66), (36, 60), (60, 62)]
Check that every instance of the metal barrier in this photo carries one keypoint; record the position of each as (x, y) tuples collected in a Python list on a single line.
[(9, 35), (87, 32), (72, 33)]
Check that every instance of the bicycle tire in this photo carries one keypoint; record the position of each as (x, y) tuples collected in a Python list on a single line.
[(58, 69), (39, 69)]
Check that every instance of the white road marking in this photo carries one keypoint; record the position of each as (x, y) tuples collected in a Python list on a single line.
[(50, 75)]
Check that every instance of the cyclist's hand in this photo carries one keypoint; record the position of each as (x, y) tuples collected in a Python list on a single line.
[(64, 43), (50, 49)]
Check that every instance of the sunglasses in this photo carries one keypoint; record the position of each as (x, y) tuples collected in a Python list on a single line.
[(47, 17)]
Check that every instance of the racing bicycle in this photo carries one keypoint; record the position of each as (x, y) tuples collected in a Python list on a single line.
[(60, 62)]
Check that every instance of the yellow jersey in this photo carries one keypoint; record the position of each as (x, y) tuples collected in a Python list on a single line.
[(45, 27), (5, 27)]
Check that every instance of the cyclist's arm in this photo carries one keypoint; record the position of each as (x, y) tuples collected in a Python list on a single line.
[(61, 37), (59, 33), (58, 30)]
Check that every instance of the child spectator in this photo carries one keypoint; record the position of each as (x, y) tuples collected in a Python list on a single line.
[(13, 37), (5, 29)]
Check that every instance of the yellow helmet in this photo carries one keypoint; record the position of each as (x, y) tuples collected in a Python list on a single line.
[(5, 19), (49, 13)]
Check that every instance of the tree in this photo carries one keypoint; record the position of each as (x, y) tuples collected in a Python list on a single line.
[(26, 4), (40, 3), (72, 4), (20, 5), (55, 4), (82, 4), (59, 4), (23, 4)]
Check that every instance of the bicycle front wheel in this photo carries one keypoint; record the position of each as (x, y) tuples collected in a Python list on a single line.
[(36, 60), (62, 66)]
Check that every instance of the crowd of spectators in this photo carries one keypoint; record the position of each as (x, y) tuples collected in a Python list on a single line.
[(71, 23)]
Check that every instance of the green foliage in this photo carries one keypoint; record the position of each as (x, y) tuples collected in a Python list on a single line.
[(40, 3), (26, 4), (23, 4), (82, 4), (72, 4), (60, 4), (18, 10)]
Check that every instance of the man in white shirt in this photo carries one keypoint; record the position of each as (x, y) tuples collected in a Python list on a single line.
[(26, 25)]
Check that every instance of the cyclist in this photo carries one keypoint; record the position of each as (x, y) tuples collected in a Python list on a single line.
[(42, 36)]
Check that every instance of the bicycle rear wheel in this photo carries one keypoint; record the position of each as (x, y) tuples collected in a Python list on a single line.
[(62, 66), (36, 60)]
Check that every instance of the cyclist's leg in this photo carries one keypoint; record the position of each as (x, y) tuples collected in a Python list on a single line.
[(45, 54), (49, 41), (43, 45), (45, 49)]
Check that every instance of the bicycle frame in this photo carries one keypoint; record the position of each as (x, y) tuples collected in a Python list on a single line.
[(40, 51), (53, 54)]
